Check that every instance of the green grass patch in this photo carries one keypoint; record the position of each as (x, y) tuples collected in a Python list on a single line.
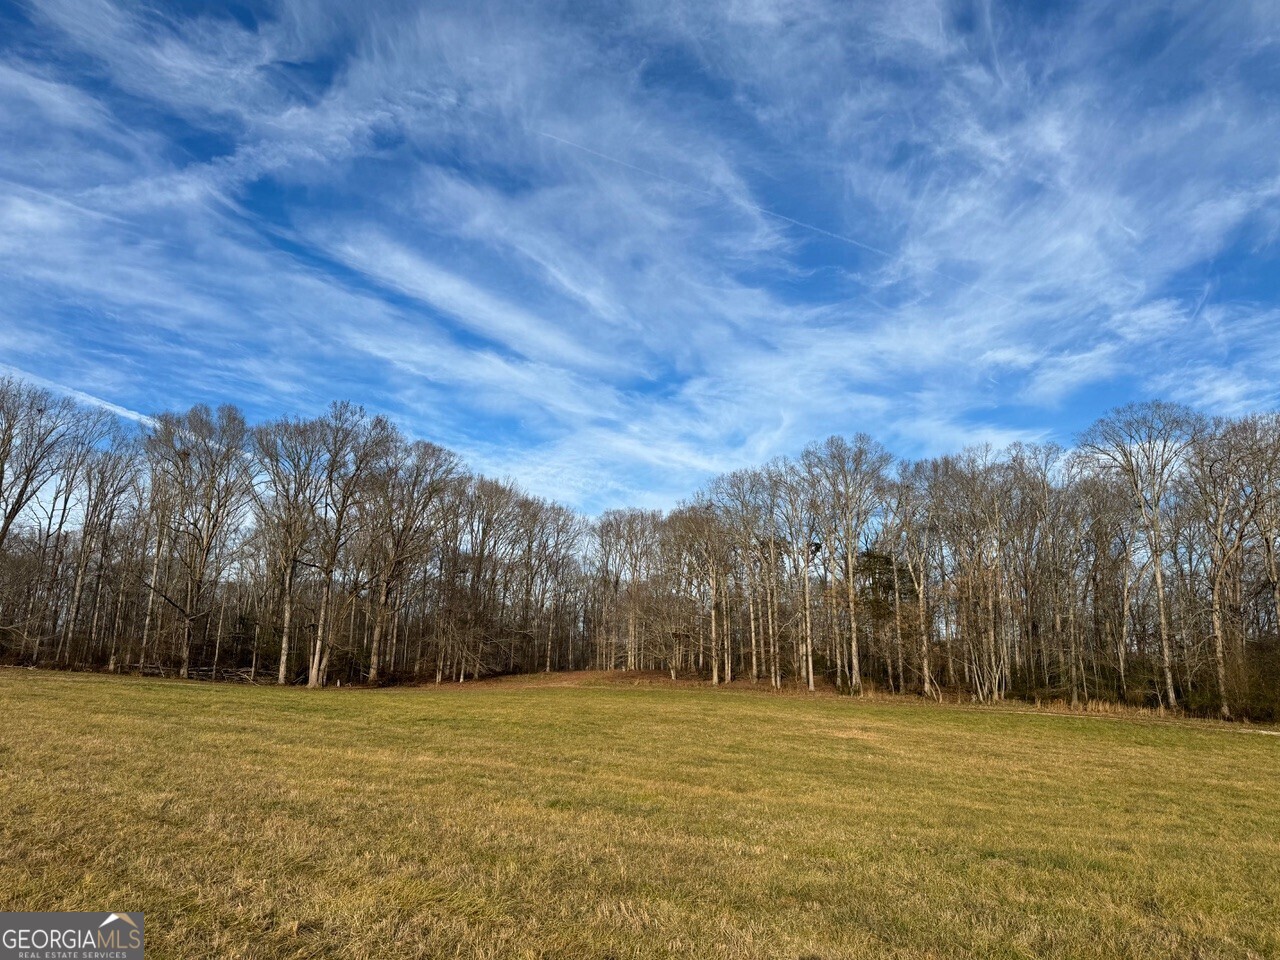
[(598, 821)]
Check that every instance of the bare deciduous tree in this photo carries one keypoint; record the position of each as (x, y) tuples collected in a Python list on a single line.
[(1143, 567), (1145, 444)]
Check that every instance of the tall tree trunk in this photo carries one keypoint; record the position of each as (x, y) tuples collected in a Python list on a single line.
[(379, 621), (1219, 644), (319, 647), (286, 625), (151, 597), (808, 623), (851, 600), (715, 650), (1166, 650), (217, 640)]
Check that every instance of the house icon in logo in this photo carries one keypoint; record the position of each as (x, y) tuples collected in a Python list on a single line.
[(118, 916)]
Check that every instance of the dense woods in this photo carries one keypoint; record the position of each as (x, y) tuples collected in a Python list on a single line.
[(1141, 567)]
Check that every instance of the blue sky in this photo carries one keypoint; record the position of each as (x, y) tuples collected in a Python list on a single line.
[(611, 250)]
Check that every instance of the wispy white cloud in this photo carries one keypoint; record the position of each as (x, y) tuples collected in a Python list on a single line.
[(612, 255), (88, 399)]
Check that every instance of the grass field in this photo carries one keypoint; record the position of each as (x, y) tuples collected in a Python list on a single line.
[(617, 821)]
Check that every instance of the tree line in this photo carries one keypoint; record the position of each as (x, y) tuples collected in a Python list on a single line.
[(1141, 567)]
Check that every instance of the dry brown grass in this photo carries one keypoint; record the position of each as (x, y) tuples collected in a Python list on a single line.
[(610, 819)]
